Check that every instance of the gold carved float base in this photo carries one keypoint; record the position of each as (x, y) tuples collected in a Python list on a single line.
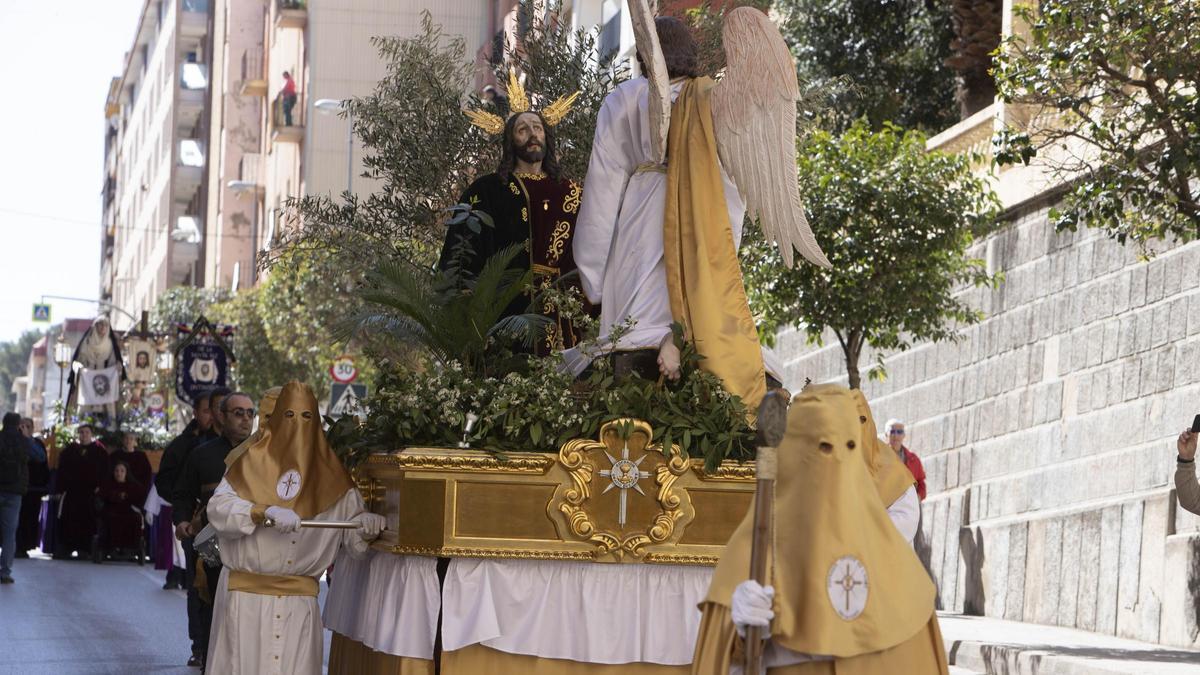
[(620, 498)]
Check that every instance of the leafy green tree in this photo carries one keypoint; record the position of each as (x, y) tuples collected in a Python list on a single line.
[(896, 222), (183, 304), (259, 365), (305, 296), (892, 55), (1113, 91), (282, 324), (14, 362)]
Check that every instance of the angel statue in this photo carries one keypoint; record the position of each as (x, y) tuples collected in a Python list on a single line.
[(677, 161)]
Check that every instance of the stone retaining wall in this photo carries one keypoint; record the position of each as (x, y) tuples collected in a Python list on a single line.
[(1047, 434)]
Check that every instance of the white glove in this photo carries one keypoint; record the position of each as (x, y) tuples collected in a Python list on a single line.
[(286, 520), (370, 525), (752, 606)]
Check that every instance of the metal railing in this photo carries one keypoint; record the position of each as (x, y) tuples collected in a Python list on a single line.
[(250, 168), (252, 65), (284, 115)]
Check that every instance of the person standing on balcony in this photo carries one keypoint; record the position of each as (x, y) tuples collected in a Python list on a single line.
[(289, 98)]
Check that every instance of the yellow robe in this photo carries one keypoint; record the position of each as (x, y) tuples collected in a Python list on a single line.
[(836, 514)]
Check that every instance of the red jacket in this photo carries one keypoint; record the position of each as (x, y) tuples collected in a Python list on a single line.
[(914, 467)]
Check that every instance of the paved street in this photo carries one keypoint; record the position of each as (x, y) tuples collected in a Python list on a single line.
[(65, 617), (73, 617)]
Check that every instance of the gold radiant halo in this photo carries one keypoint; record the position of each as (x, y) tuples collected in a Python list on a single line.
[(489, 122), (555, 112), (518, 102)]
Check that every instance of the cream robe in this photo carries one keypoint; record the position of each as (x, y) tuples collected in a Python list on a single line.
[(265, 634), (618, 242)]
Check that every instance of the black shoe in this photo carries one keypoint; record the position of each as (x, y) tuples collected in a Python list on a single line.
[(195, 662), (22, 555), (6, 580)]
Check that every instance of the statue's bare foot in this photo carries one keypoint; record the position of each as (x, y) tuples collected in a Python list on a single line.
[(668, 359)]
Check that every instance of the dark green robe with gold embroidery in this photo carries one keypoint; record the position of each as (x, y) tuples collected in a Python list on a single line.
[(537, 212)]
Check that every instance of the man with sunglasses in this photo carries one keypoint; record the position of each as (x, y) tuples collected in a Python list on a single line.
[(198, 479), (895, 438)]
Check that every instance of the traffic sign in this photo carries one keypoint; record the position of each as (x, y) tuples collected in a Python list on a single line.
[(343, 370), (41, 313), (346, 399), (155, 401)]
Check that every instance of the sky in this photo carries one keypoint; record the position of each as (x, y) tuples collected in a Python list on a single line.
[(56, 61)]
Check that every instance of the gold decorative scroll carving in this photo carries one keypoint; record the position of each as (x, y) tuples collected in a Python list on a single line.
[(619, 493), (517, 553), (454, 502), (535, 463)]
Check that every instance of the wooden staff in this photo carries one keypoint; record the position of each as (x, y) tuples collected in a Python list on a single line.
[(772, 422)]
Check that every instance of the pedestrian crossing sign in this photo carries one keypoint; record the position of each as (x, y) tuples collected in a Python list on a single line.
[(346, 399), (41, 313)]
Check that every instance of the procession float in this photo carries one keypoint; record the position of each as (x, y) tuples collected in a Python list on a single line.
[(556, 495)]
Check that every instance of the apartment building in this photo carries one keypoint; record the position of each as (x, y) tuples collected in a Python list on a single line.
[(155, 154), (234, 211), (325, 47)]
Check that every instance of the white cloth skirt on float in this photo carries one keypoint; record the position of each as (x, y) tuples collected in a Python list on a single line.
[(577, 611)]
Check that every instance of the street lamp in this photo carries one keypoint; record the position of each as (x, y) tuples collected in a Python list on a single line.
[(62, 358), (334, 106)]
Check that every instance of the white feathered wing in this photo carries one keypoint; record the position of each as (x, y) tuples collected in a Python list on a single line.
[(659, 99), (754, 120)]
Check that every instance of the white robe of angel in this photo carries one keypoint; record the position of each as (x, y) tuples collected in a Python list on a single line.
[(618, 242), (256, 634)]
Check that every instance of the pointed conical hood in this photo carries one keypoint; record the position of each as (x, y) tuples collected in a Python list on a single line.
[(846, 582), (291, 464)]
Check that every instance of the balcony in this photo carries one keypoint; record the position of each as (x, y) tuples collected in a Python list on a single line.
[(291, 13), (287, 121), (190, 168), (193, 22), (972, 136), (250, 172), (254, 74), (193, 92), (185, 248)]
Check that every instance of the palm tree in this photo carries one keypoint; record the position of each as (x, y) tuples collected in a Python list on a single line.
[(977, 26), (450, 314)]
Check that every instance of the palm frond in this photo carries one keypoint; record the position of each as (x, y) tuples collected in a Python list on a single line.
[(523, 328)]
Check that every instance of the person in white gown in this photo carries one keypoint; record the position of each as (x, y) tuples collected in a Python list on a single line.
[(266, 619)]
